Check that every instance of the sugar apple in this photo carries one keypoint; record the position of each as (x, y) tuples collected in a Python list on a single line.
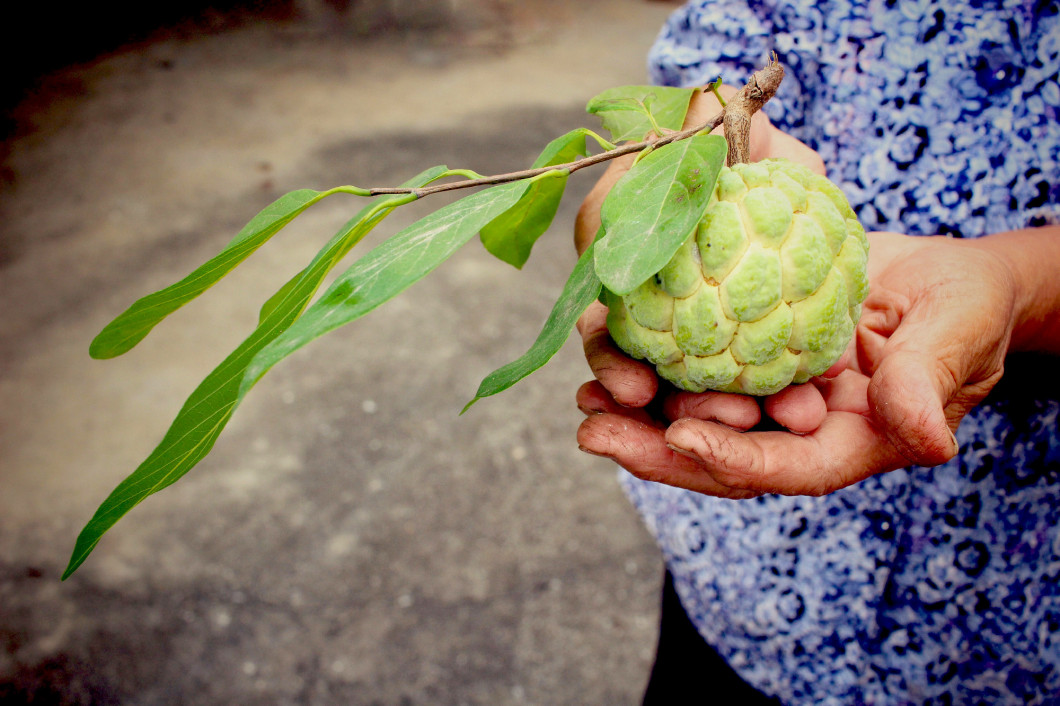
[(766, 292)]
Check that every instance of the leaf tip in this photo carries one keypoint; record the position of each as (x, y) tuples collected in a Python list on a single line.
[(117, 338), (77, 558), (99, 350)]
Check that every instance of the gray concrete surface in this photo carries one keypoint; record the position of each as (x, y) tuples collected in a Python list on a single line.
[(350, 540)]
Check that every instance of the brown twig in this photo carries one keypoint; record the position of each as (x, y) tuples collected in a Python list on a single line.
[(760, 88), (736, 116)]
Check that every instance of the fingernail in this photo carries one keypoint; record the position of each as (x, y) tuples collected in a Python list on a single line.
[(591, 452), (956, 445), (589, 412), (684, 452)]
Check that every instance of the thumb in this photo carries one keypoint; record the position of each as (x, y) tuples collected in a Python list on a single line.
[(769, 142), (907, 396), (934, 339)]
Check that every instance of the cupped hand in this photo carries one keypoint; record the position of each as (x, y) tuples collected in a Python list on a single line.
[(633, 383), (930, 345)]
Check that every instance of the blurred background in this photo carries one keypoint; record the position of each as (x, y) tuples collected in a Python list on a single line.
[(350, 539)]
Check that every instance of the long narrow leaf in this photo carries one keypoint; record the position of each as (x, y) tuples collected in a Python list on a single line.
[(653, 209), (343, 244), (206, 412), (131, 326), (389, 269), (581, 289), (279, 297)]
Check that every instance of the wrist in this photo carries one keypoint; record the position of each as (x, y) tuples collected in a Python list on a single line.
[(1030, 259)]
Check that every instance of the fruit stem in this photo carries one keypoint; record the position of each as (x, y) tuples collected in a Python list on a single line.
[(760, 88)]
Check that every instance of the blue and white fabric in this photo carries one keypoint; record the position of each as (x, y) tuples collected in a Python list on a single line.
[(921, 586)]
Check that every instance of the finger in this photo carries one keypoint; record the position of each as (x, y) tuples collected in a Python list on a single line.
[(907, 393), (704, 106), (845, 449), (587, 221), (593, 319), (736, 411), (847, 392), (798, 408), (847, 360), (593, 398), (880, 317), (767, 142), (641, 449), (633, 383)]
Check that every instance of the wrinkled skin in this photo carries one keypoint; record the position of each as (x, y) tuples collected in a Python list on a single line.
[(936, 326)]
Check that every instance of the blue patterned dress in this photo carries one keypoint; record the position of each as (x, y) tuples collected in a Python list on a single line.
[(921, 586)]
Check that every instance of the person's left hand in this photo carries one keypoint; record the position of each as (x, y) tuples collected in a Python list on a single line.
[(930, 345)]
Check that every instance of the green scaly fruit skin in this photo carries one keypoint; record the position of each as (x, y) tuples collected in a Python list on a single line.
[(764, 294)]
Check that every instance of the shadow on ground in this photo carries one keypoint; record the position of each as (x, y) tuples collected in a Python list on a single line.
[(350, 539)]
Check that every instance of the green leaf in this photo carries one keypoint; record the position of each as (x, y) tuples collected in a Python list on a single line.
[(389, 269), (206, 412), (511, 236), (563, 149), (624, 110), (279, 297), (653, 208), (581, 289), (130, 327), (347, 243)]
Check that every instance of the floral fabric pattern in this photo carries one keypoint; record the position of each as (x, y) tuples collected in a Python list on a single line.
[(921, 586)]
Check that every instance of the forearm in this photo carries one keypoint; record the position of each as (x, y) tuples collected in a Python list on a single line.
[(1033, 257)]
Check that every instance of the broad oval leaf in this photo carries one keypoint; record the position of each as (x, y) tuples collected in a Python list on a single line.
[(581, 289), (653, 208), (206, 412), (624, 110), (389, 269), (511, 236), (563, 149)]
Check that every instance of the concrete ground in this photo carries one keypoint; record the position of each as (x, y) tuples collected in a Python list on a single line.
[(350, 540)]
